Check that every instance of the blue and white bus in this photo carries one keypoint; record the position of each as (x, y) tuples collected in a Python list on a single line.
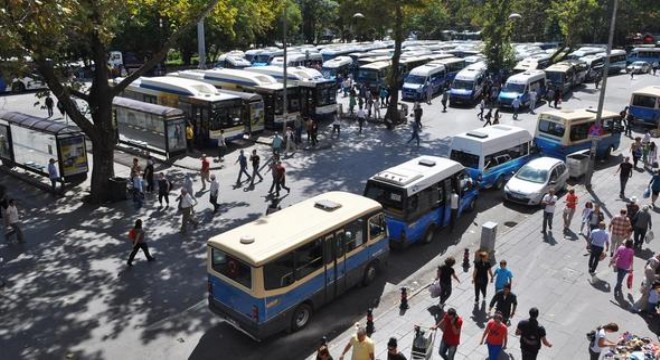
[(273, 273), (562, 76), (519, 86), (493, 154), (467, 85), (618, 62), (562, 132), (452, 65), (340, 65), (415, 84), (645, 105), (331, 53), (584, 51), (650, 55), (374, 74), (416, 197), (265, 57)]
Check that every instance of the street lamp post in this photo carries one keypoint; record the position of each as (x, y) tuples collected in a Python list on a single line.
[(601, 100), (285, 108)]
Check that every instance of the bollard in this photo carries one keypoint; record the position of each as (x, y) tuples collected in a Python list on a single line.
[(488, 237), (466, 259), (404, 299), (370, 322)]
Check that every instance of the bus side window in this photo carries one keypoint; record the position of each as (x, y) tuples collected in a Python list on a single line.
[(440, 193), (279, 272), (580, 131), (308, 258), (376, 227), (354, 235), (489, 162)]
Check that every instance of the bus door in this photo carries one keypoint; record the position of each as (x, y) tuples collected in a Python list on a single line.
[(446, 210), (197, 118), (335, 265)]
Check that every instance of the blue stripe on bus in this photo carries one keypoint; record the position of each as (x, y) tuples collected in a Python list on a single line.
[(644, 113), (553, 148)]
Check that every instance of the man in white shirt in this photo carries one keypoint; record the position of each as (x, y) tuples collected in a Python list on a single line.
[(362, 116), (53, 174), (532, 100), (13, 220), (549, 201), (213, 193), (186, 204), (454, 209), (516, 105)]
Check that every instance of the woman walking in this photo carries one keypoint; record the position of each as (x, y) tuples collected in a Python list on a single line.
[(636, 150), (586, 216), (445, 274), (622, 261), (654, 185), (495, 334), (138, 238), (164, 188), (480, 275)]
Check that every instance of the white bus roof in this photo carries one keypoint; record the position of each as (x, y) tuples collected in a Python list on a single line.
[(280, 232), (649, 90), (646, 49), (559, 67), (378, 65), (427, 69), (181, 86), (449, 60), (471, 72), (573, 115), (415, 175), (276, 71), (233, 76), (524, 77), (337, 62), (491, 139)]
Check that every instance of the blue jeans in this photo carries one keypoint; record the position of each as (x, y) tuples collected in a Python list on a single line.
[(620, 275), (447, 352), (494, 351)]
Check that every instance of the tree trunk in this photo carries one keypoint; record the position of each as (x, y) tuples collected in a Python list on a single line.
[(392, 113), (103, 151)]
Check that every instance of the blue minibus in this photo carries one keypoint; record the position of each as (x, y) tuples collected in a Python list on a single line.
[(519, 86), (416, 83), (452, 66), (645, 105), (467, 85), (650, 55), (416, 197)]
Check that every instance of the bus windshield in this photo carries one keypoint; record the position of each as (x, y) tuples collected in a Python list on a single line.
[(462, 84), (368, 74), (231, 267), (390, 197), (516, 88), (262, 58), (415, 79), (551, 128), (326, 96), (329, 72), (466, 159), (531, 174), (555, 77), (644, 101)]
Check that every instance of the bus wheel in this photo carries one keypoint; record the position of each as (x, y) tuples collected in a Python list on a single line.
[(17, 87), (370, 273), (499, 184), (301, 317), (428, 234)]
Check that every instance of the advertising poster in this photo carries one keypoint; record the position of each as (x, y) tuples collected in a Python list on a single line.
[(73, 155), (176, 135)]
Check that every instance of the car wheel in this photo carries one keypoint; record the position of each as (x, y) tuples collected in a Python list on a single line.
[(17, 87), (301, 317), (370, 273), (428, 234), (499, 184)]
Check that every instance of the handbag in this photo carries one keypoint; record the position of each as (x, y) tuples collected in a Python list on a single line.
[(435, 289), (629, 280), (649, 236)]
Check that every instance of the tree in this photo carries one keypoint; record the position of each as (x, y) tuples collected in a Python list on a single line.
[(317, 15), (429, 21), (44, 30), (496, 34), (571, 15)]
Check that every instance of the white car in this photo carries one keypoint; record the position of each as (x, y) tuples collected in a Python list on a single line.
[(639, 67), (29, 82), (535, 179)]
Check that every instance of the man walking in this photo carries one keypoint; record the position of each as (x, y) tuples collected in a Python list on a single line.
[(415, 133), (417, 113), (255, 160), (49, 105), (242, 161), (53, 175), (454, 206), (137, 237), (205, 171), (445, 98), (281, 177), (393, 352), (450, 325), (276, 180), (569, 210), (13, 220), (186, 203), (222, 146), (213, 193), (362, 116), (600, 244), (363, 346), (549, 200), (164, 188), (532, 335), (516, 106), (505, 302), (625, 171), (482, 106), (620, 229), (532, 100)]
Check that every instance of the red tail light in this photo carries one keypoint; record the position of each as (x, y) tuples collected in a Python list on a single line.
[(255, 313)]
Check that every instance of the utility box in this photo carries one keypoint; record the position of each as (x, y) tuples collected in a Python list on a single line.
[(488, 236)]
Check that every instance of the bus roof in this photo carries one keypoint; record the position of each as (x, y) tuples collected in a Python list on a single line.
[(559, 67), (522, 78), (282, 231), (449, 60), (649, 90), (378, 65), (416, 174), (426, 69), (471, 72), (181, 86), (572, 115), (490, 139), (646, 49), (239, 76), (337, 62)]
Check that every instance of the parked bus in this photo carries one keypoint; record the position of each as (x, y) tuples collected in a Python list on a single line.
[(493, 154), (562, 132), (372, 59), (584, 51), (340, 65), (273, 273), (267, 86), (331, 53), (533, 62), (562, 76), (307, 59), (374, 74), (650, 55), (416, 197), (452, 65), (232, 60), (406, 64), (645, 105), (208, 110), (467, 85), (519, 86), (594, 64), (416, 83), (618, 61), (265, 57)]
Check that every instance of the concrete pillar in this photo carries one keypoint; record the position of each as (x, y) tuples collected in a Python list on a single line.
[(488, 236)]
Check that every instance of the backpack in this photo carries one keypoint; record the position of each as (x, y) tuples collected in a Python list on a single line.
[(131, 234), (591, 336)]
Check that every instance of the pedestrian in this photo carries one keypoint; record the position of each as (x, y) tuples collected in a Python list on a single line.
[(383, 95), (429, 92), (482, 106), (49, 105), (495, 334), (376, 109), (214, 190), (315, 132), (136, 169), (625, 171), (418, 112), (415, 133), (550, 96), (138, 191), (281, 177), (445, 274), (488, 118), (632, 74), (450, 325), (629, 124), (569, 210), (289, 141), (651, 281), (653, 155), (363, 346), (205, 171), (654, 185), (148, 174), (336, 125), (276, 143), (600, 244), (505, 302), (445, 98), (188, 184), (4, 206), (620, 229), (393, 352), (362, 116), (370, 104), (532, 100), (632, 209), (515, 104), (322, 353), (597, 79), (222, 146), (164, 188), (655, 67), (351, 102), (622, 262), (586, 217), (558, 96), (275, 185), (497, 117), (345, 86), (641, 224), (501, 276), (360, 99), (186, 204), (600, 343), (137, 237), (298, 125), (480, 276), (532, 335), (255, 160), (13, 223), (53, 175), (189, 137), (243, 163), (454, 200), (549, 200)]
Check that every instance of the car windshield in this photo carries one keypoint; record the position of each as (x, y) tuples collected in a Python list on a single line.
[(532, 174), (415, 79), (466, 159), (516, 88), (462, 85)]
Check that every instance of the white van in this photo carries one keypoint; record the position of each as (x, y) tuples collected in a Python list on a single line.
[(466, 87), (414, 85), (519, 85)]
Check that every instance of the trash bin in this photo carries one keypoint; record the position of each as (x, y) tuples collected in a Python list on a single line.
[(118, 189), (577, 163)]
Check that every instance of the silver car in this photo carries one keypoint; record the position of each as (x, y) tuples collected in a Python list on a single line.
[(534, 180)]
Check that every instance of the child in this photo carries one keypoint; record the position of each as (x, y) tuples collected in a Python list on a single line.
[(502, 276)]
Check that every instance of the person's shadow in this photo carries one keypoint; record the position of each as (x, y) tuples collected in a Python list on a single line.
[(599, 284), (479, 314)]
